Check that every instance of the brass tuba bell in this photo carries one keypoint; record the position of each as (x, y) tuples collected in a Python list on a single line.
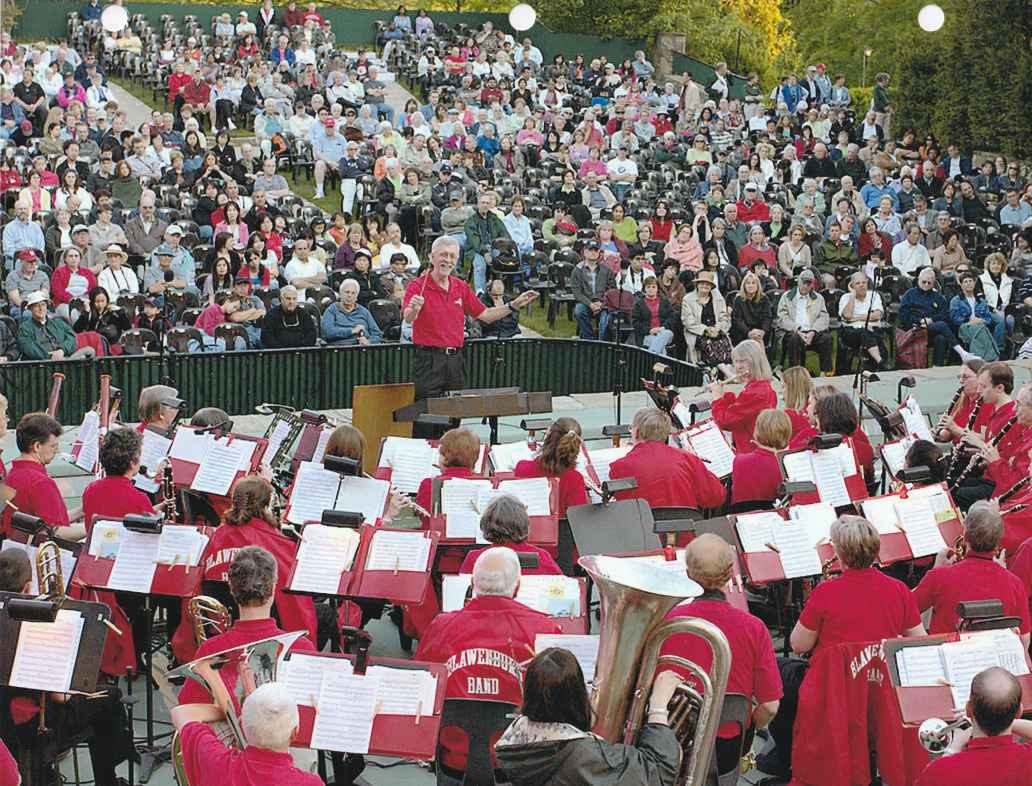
[(936, 735), (48, 572)]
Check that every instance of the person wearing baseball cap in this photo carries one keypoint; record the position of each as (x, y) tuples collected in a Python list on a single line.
[(803, 316), (589, 282), (328, 148), (251, 311), (24, 280)]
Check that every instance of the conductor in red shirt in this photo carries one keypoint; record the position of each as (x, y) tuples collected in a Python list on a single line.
[(667, 476), (737, 413), (436, 305), (991, 756), (269, 720)]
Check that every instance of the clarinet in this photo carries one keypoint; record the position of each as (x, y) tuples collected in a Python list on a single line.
[(1013, 490), (954, 466), (977, 457), (948, 412)]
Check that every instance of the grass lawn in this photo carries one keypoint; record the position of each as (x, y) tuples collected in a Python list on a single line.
[(538, 322)]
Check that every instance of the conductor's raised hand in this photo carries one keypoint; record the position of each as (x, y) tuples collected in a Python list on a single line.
[(526, 297)]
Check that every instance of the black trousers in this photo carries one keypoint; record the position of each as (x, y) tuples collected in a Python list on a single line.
[(793, 671), (797, 349), (855, 342), (435, 371)]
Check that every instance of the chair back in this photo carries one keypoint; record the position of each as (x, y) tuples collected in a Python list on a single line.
[(229, 333), (135, 342), (179, 338), (737, 709), (387, 313), (481, 722)]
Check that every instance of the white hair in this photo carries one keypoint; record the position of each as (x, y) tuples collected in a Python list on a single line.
[(269, 717), (289, 289), (496, 572), (441, 242), (349, 283)]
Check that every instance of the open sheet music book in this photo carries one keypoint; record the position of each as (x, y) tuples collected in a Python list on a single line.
[(914, 420), (155, 449), (45, 655), (583, 647), (793, 540), (504, 458), (68, 560), (317, 489), (399, 551), (826, 469), (817, 518), (915, 517), (345, 713), (557, 596), (534, 493), (460, 504), (603, 457), (225, 457), (324, 554), (956, 663), (410, 461), (708, 442), (894, 454), (86, 450), (138, 554)]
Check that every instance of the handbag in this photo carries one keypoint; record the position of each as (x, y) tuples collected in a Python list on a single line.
[(912, 348)]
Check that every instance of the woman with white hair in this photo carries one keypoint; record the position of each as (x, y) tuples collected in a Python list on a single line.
[(269, 719)]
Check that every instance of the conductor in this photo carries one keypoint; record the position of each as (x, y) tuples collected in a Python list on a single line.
[(436, 305)]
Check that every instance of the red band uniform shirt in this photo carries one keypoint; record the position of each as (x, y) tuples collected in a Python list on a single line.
[(36, 494), (738, 413), (204, 755), (985, 761), (572, 491), (668, 477)]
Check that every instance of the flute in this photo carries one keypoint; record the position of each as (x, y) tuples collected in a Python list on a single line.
[(405, 501)]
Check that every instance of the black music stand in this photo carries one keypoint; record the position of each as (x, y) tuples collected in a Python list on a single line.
[(613, 527), (486, 403), (667, 521)]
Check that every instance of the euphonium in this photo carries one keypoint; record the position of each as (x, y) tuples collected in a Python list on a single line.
[(635, 599), (935, 734), (48, 572), (208, 617)]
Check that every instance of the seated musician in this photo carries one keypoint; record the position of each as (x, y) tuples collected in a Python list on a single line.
[(114, 495), (737, 412), (754, 671), (834, 413), (36, 493), (990, 756), (69, 715), (862, 604), (269, 719), (505, 523), (667, 476), (978, 576), (954, 422), (483, 646), (208, 417), (923, 453), (153, 411), (999, 465), (756, 475), (551, 740), (460, 452), (557, 458), (798, 386)]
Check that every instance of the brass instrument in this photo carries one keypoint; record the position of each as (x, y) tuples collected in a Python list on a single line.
[(48, 572), (828, 566), (55, 394), (635, 599), (954, 465), (936, 735), (947, 413), (958, 549), (208, 617), (977, 458)]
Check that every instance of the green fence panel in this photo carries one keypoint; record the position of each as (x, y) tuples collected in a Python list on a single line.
[(27, 387), (704, 74)]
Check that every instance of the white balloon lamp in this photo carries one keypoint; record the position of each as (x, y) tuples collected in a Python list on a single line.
[(114, 18), (931, 18), (522, 17)]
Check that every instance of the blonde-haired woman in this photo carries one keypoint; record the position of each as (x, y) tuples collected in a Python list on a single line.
[(794, 253), (751, 315), (737, 413), (756, 475), (798, 385)]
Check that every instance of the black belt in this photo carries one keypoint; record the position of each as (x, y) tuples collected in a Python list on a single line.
[(440, 350)]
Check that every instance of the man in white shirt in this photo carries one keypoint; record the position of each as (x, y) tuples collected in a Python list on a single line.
[(622, 174), (910, 255), (395, 246), (303, 270), (859, 307)]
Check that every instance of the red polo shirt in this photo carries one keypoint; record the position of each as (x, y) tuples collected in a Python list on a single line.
[(976, 577), (36, 493), (737, 413), (799, 420), (441, 321), (963, 415), (668, 477), (571, 483), (1013, 463), (755, 476), (860, 605), (546, 565), (114, 497), (204, 755), (985, 761), (1021, 566), (754, 671)]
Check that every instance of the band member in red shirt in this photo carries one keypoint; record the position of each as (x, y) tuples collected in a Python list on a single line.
[(667, 476), (505, 523), (754, 671), (483, 646), (557, 458), (36, 493), (834, 413), (976, 577), (756, 475), (862, 604), (737, 413), (153, 408), (953, 423), (269, 720), (436, 305), (991, 756), (798, 386), (114, 495), (459, 450)]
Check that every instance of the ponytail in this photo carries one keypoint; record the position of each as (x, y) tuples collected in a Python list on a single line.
[(250, 499), (561, 446)]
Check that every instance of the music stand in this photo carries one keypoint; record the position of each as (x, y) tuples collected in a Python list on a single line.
[(673, 521), (487, 403), (613, 527)]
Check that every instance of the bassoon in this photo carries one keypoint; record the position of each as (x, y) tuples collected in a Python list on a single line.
[(55, 394)]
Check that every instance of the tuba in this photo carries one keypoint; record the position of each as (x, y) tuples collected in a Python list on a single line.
[(635, 598)]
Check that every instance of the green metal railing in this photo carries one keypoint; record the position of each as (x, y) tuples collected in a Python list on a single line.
[(323, 377)]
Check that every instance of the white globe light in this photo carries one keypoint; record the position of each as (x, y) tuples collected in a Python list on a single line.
[(114, 18), (931, 18), (522, 17)]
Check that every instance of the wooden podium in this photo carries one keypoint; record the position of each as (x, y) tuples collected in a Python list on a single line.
[(373, 406), (490, 403)]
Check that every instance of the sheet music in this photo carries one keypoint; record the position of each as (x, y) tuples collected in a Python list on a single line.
[(963, 660), (817, 518), (324, 554), (404, 691), (920, 666), (181, 545), (827, 473), (190, 446), (89, 442), (453, 590), (134, 566), (280, 433), (405, 551), (846, 458), (302, 675), (602, 458), (798, 467), (504, 458), (320, 446), (367, 496), (315, 490), (534, 493), (798, 556), (458, 500), (155, 449), (344, 717), (410, 461), (1010, 652), (105, 539), (68, 561), (583, 648), (914, 420), (756, 530), (881, 512), (938, 498), (708, 441), (894, 454), (919, 526), (680, 411), (556, 596), (46, 653), (218, 470)]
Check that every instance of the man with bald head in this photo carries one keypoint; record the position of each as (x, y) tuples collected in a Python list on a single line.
[(483, 645), (754, 671), (990, 757)]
